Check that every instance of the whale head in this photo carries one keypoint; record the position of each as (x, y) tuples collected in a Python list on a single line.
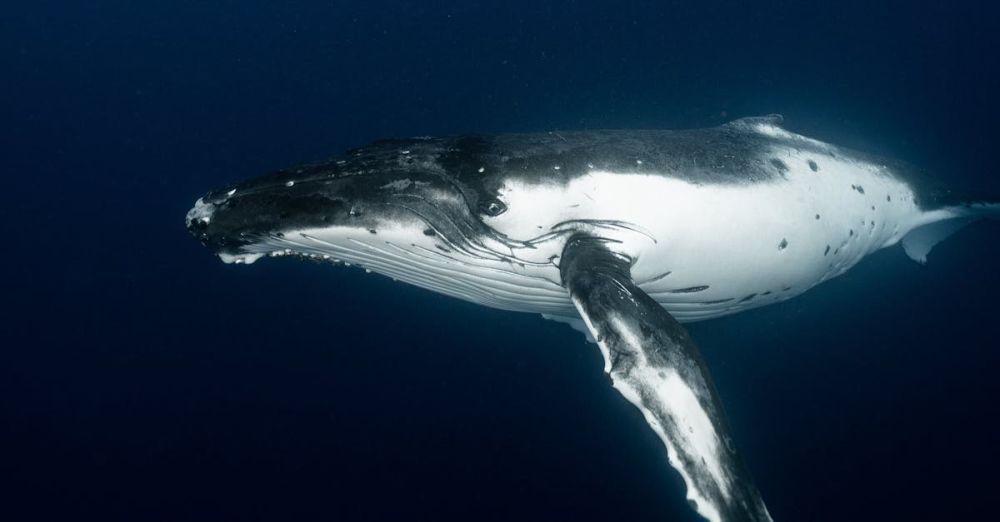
[(380, 205)]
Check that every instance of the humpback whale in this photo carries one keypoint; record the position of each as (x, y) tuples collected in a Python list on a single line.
[(623, 234)]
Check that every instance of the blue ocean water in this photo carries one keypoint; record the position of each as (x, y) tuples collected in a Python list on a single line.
[(142, 379)]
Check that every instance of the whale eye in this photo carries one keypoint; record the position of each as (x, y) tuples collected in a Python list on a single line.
[(494, 207)]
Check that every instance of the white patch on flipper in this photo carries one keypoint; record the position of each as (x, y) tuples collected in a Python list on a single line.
[(593, 333), (682, 401), (701, 503), (697, 432)]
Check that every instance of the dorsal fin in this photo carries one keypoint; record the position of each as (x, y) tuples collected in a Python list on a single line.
[(770, 119)]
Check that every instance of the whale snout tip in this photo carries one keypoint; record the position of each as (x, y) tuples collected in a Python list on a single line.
[(199, 217), (201, 223)]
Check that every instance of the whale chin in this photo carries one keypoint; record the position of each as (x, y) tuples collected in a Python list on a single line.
[(239, 259), (335, 244)]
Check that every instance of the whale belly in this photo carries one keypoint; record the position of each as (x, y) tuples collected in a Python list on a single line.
[(726, 248)]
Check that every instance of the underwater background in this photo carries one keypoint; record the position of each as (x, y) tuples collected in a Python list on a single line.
[(142, 379)]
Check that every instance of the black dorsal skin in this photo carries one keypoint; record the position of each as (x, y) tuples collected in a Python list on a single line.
[(734, 153)]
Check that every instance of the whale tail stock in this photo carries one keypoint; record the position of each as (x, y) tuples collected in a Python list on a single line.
[(936, 225)]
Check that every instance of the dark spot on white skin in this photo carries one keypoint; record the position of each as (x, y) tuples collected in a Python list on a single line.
[(827, 251), (780, 165), (852, 232), (428, 232), (817, 216), (748, 298), (813, 166), (661, 276), (783, 245), (888, 198), (873, 207), (373, 231), (690, 289)]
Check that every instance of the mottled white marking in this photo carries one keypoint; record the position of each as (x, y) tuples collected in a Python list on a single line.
[(231, 192), (697, 433), (399, 184), (289, 183), (201, 211)]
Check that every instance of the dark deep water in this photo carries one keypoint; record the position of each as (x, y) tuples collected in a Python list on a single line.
[(142, 379)]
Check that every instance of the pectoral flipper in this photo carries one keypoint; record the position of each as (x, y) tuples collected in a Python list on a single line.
[(653, 362)]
